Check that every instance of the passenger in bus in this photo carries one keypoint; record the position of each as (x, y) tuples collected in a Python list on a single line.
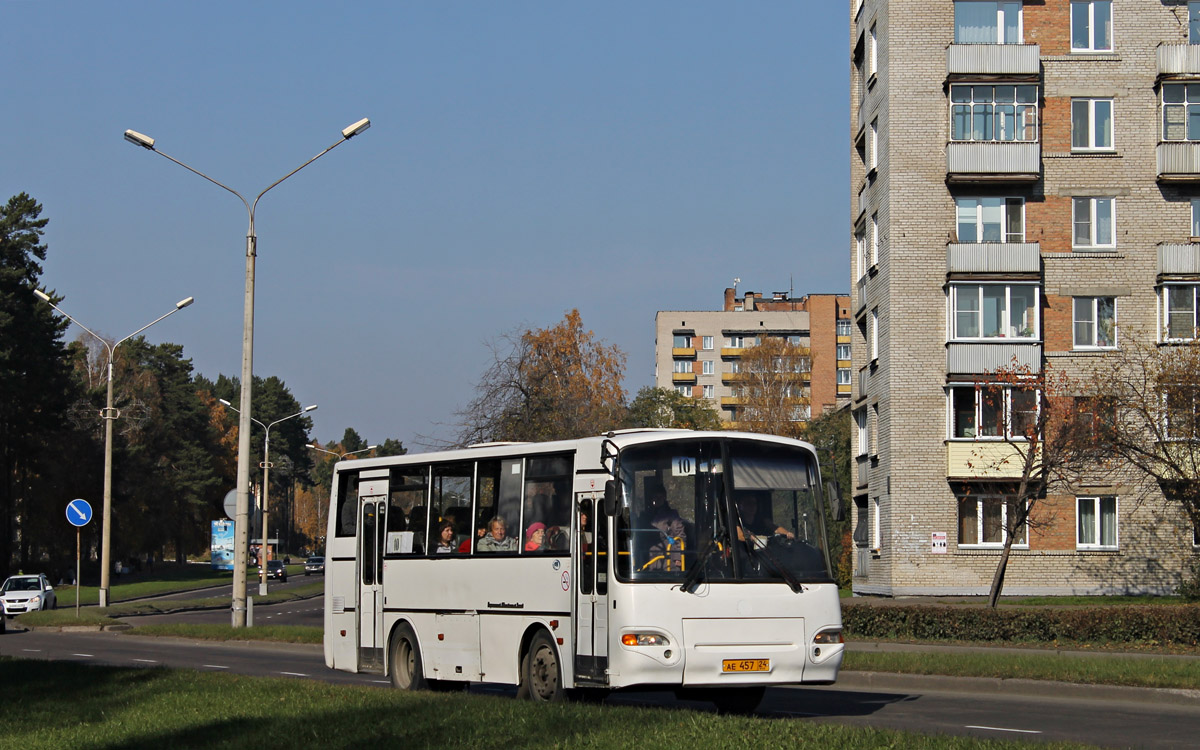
[(558, 539), (497, 539), (445, 538), (751, 528), (667, 552), (535, 536)]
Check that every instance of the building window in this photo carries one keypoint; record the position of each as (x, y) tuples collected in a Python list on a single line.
[(1091, 124), (1179, 311), (684, 390), (735, 366), (843, 327), (860, 424), (682, 342), (1193, 22), (683, 365), (989, 311), (873, 145), (1003, 113), (991, 219), (860, 252), (1097, 527), (1180, 412), (875, 333), (874, 239), (709, 367), (982, 411), (736, 342), (843, 351), (872, 52), (708, 391), (983, 521), (1091, 26), (707, 342), (843, 376), (1181, 112), (987, 22), (1095, 323), (1093, 220), (876, 533)]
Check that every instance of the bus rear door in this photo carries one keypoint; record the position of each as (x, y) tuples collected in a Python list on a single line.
[(373, 497), (591, 588)]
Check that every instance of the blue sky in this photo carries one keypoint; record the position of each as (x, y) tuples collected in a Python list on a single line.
[(524, 158)]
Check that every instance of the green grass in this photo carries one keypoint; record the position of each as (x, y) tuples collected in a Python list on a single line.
[(275, 633), (1148, 672), (54, 705), (90, 617)]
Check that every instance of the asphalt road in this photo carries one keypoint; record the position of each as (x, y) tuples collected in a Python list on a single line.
[(1008, 709)]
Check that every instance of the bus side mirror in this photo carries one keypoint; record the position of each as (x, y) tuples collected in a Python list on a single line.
[(611, 496), (835, 501)]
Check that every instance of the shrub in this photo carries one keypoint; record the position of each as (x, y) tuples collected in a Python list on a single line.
[(1190, 588)]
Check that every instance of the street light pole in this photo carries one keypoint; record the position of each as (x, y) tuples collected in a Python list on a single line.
[(266, 467), (241, 543), (108, 415)]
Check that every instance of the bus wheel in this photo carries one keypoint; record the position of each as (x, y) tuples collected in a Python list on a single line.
[(738, 701), (407, 671), (541, 678)]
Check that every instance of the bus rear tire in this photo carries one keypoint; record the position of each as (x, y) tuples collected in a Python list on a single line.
[(541, 677), (407, 671)]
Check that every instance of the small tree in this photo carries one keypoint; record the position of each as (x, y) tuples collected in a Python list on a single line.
[(663, 407), (547, 384), (773, 386), (1044, 444)]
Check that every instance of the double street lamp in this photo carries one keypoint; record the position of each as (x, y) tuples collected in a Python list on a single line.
[(266, 467), (243, 467), (340, 457), (109, 414)]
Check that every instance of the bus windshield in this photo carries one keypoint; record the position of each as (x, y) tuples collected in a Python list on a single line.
[(720, 510)]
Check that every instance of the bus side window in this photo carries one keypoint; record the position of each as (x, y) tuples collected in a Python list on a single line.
[(487, 490), (548, 502), (601, 546), (406, 518), (587, 551), (347, 504), (451, 492)]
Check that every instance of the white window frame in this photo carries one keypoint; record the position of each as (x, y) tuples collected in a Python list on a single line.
[(1091, 306), (1165, 310), (979, 500), (709, 391), (1089, 109), (874, 239), (843, 349), (860, 425), (874, 334), (684, 390), (873, 146), (844, 377), (1003, 9), (1097, 530), (682, 366), (872, 52), (1089, 8), (1093, 206), (706, 343), (843, 326), (860, 253), (736, 342), (1017, 115), (708, 367), (974, 292), (1005, 418), (876, 525), (972, 206), (1186, 109)]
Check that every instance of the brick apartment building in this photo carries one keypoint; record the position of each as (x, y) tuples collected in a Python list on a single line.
[(697, 352), (1025, 183)]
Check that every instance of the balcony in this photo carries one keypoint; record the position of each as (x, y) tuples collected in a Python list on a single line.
[(993, 258), (864, 380), (980, 358), (1013, 61), (683, 377), (1178, 259), (860, 293), (1179, 161), (844, 390), (732, 377), (732, 401), (984, 460), (863, 471), (732, 351), (684, 352), (1178, 60), (1018, 161)]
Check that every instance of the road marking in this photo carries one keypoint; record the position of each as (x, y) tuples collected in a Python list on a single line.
[(147, 661), (381, 682), (1004, 729), (87, 655), (214, 666), (32, 650), (294, 674)]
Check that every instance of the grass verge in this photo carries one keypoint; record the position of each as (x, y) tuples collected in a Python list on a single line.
[(156, 708), (1147, 672), (275, 633)]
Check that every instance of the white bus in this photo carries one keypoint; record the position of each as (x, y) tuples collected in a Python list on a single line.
[(643, 558)]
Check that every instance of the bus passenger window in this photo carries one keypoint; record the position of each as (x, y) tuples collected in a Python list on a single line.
[(548, 503), (406, 518), (347, 504), (450, 499)]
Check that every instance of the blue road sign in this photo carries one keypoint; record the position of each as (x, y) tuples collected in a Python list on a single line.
[(79, 512)]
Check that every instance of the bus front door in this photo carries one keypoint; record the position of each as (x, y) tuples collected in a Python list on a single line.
[(591, 591), (371, 530)]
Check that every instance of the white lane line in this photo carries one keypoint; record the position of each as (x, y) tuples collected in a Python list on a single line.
[(147, 661), (294, 674), (87, 655), (381, 682), (214, 666), (32, 650), (1003, 729)]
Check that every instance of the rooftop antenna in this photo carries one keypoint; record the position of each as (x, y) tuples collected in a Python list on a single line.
[(736, 280)]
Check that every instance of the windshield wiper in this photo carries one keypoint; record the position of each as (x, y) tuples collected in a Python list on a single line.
[(791, 580), (693, 576)]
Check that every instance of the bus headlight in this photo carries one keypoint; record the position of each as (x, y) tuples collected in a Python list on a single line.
[(644, 639), (828, 636)]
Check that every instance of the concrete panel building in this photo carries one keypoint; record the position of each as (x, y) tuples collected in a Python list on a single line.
[(1025, 185)]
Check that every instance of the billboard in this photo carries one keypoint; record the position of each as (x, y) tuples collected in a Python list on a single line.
[(222, 545)]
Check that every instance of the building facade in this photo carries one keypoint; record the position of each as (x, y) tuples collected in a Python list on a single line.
[(698, 352), (1025, 187)]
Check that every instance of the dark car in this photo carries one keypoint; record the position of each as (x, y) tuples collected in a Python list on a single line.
[(276, 569), (314, 564)]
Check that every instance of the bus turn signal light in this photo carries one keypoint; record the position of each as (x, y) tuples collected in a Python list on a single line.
[(644, 639), (829, 636)]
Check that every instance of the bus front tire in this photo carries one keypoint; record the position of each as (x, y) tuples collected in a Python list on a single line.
[(407, 671), (541, 677)]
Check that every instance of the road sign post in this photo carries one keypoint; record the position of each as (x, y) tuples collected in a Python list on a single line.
[(79, 512)]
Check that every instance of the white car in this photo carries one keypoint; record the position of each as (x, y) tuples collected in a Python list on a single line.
[(21, 594)]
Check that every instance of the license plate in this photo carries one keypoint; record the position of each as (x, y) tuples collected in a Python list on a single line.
[(746, 665)]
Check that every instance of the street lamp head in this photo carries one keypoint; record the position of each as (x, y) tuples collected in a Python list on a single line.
[(138, 139), (223, 401), (184, 303), (310, 408), (41, 295), (347, 132)]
